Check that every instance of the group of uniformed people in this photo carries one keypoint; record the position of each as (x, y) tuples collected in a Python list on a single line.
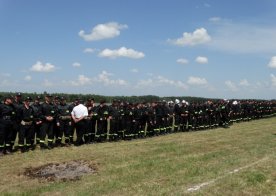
[(34, 121)]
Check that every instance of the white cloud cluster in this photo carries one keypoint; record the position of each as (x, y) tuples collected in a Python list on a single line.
[(231, 86), (103, 31), (244, 83), (272, 62), (201, 60), (199, 36), (243, 38), (182, 61), (47, 83), (104, 78), (134, 70), (40, 67), (121, 52), (28, 78), (76, 64), (215, 19), (81, 81), (273, 80), (89, 50), (197, 81), (161, 81)]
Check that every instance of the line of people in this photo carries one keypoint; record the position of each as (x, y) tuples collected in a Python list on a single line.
[(54, 119)]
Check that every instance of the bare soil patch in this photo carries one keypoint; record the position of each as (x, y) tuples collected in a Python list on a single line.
[(65, 171)]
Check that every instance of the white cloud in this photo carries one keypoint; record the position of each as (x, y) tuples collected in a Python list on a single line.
[(134, 70), (121, 52), (243, 38), (272, 63), (244, 83), (231, 85), (161, 81), (28, 78), (40, 67), (273, 80), (7, 75), (182, 61), (81, 81), (201, 60), (215, 19), (104, 78), (103, 31), (199, 36), (47, 83), (76, 64), (197, 81), (89, 50)]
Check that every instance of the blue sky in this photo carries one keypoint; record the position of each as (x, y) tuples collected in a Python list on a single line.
[(215, 48)]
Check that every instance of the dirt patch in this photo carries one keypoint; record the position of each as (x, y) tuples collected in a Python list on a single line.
[(65, 171)]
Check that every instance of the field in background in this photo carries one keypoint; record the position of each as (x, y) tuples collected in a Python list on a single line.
[(240, 160)]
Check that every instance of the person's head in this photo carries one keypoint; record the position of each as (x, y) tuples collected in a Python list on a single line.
[(62, 100), (27, 101), (18, 97), (8, 100), (37, 99), (48, 98), (102, 102)]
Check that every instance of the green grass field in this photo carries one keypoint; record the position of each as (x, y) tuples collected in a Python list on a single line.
[(240, 160)]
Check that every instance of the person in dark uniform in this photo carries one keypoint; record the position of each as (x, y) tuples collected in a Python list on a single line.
[(64, 121), (48, 114), (7, 116), (184, 116), (159, 115), (37, 121), (88, 120), (122, 121), (114, 121), (26, 131), (103, 115), (130, 121), (17, 103), (56, 127)]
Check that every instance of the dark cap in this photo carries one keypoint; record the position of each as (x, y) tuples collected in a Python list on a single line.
[(8, 97), (102, 101), (90, 99), (48, 95), (18, 94), (28, 99), (38, 97), (57, 97)]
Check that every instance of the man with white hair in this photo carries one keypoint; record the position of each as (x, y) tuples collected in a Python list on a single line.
[(79, 113)]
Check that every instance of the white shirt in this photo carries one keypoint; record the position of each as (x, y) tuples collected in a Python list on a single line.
[(79, 111)]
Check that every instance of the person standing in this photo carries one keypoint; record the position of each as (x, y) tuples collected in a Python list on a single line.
[(7, 116), (79, 113), (64, 122), (48, 114), (26, 131), (17, 103)]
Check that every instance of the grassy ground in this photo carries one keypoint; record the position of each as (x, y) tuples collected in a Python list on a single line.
[(240, 160)]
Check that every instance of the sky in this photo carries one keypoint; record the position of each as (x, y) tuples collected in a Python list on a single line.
[(203, 48)]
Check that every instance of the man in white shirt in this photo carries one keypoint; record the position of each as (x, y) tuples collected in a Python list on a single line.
[(79, 113)]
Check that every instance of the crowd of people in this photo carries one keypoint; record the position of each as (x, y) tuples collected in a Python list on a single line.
[(53, 122)]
